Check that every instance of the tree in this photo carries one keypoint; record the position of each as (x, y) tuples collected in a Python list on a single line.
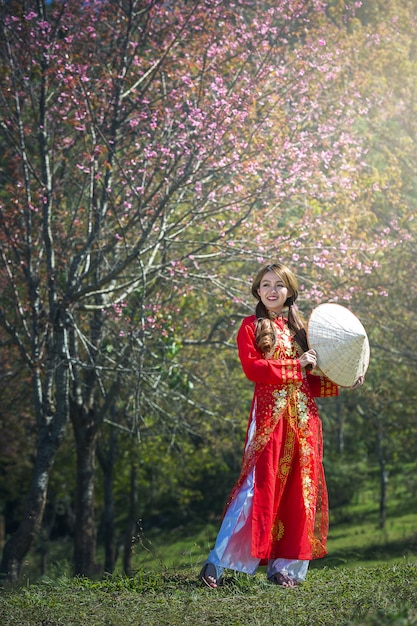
[(130, 131)]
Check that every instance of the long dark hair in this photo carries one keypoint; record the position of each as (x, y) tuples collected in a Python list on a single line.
[(265, 330)]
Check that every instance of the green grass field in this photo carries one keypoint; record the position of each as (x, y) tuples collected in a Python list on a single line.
[(369, 578), (377, 595), (357, 541)]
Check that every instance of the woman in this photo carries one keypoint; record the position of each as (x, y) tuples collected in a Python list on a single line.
[(277, 513)]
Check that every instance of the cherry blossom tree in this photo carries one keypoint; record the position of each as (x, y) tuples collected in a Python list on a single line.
[(146, 143)]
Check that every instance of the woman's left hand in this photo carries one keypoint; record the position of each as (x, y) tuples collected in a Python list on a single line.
[(358, 383)]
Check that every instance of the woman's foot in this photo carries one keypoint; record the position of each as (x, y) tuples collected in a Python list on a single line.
[(283, 580), (210, 575)]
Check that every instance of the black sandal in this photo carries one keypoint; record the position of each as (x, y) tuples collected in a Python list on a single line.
[(211, 575), (282, 580)]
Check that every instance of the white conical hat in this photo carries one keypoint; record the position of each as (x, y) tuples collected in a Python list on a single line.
[(340, 341)]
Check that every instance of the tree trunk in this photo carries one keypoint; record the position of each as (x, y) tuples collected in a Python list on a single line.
[(107, 459), (86, 419), (2, 530), (383, 480), (19, 544), (51, 427), (340, 425), (84, 557), (132, 523)]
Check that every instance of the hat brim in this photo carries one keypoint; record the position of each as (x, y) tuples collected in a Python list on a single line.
[(341, 343)]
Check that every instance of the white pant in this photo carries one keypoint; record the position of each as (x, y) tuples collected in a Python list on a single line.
[(233, 543)]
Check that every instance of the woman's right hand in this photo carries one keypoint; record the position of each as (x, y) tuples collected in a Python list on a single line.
[(308, 358)]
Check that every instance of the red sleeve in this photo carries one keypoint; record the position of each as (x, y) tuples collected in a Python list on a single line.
[(322, 387), (261, 370)]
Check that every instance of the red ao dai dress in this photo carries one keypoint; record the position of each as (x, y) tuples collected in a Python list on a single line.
[(277, 513)]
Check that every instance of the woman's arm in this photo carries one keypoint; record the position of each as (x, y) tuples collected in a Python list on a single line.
[(261, 370)]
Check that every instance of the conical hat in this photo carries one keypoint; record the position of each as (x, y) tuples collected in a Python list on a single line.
[(340, 341)]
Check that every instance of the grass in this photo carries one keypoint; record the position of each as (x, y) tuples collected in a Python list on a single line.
[(374, 596), (355, 541), (369, 578)]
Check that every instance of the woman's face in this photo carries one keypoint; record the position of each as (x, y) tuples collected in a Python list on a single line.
[(273, 292)]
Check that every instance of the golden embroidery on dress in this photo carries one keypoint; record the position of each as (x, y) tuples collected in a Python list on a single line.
[(277, 530)]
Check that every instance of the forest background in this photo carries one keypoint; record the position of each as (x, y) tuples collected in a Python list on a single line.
[(154, 154)]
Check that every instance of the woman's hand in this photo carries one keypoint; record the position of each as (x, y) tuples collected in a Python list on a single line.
[(308, 358), (358, 383)]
